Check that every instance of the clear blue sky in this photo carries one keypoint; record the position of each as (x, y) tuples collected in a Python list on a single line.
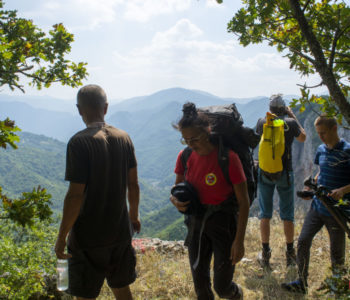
[(137, 47)]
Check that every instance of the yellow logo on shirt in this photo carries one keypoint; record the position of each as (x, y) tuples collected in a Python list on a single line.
[(210, 179)]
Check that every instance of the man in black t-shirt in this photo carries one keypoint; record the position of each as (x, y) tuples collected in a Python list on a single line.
[(284, 185), (101, 168)]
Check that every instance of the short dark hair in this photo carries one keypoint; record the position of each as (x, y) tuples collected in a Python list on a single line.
[(92, 96), (326, 120), (192, 118)]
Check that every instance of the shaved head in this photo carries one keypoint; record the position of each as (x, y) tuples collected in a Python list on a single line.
[(92, 97)]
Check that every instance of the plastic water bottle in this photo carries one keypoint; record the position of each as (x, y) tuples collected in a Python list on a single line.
[(62, 274)]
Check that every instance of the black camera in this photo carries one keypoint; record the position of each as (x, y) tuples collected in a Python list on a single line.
[(305, 194)]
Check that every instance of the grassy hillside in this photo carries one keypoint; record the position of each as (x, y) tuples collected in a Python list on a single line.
[(168, 276)]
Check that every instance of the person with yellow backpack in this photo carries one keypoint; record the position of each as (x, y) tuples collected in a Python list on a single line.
[(277, 130)]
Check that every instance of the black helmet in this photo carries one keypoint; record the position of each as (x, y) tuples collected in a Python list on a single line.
[(184, 192)]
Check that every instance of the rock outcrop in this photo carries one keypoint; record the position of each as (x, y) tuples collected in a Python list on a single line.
[(142, 245)]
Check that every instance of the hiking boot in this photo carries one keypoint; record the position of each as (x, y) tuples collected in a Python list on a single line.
[(239, 293), (296, 286), (264, 259), (291, 258)]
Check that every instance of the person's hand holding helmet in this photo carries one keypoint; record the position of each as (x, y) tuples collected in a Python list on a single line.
[(181, 206)]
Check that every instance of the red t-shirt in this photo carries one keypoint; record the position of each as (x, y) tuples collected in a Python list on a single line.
[(205, 174)]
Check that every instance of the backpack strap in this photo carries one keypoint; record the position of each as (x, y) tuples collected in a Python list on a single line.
[(184, 158), (224, 160), (288, 152)]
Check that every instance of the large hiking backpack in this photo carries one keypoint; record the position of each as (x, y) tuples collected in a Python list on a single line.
[(272, 147), (228, 132)]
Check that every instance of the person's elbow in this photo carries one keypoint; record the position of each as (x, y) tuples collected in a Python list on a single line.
[(302, 137), (133, 183), (244, 202), (242, 195)]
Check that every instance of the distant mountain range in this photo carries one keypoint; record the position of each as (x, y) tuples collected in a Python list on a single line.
[(42, 114), (42, 102), (147, 119)]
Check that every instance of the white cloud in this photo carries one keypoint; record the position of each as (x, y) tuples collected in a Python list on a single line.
[(194, 53), (143, 10), (88, 14), (213, 3), (183, 30), (182, 57), (77, 14)]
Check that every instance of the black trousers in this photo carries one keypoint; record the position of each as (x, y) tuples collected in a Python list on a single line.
[(313, 223), (217, 238)]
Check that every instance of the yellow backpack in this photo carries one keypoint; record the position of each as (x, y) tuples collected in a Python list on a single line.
[(271, 147)]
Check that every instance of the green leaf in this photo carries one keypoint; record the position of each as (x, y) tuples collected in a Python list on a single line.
[(7, 55)]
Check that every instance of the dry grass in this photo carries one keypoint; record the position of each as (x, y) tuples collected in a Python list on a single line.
[(168, 277)]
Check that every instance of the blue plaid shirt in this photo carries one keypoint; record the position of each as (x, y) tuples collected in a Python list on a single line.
[(334, 170)]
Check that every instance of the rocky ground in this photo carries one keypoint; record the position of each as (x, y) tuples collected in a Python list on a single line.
[(142, 245)]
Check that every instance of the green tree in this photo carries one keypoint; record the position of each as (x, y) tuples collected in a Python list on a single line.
[(314, 35), (28, 52), (29, 55)]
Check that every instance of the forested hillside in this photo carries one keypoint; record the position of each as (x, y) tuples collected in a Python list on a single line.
[(40, 160)]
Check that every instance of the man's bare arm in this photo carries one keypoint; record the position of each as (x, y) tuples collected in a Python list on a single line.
[(339, 193), (237, 250), (302, 136), (71, 208), (134, 199), (179, 178)]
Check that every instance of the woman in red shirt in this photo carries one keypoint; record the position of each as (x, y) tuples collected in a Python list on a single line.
[(222, 233)]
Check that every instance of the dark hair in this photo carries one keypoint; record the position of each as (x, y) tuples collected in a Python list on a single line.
[(279, 111), (192, 118)]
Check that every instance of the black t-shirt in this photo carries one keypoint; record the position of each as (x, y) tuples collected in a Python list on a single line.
[(101, 158), (291, 130)]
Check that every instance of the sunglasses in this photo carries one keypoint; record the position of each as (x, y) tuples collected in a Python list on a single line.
[(191, 140)]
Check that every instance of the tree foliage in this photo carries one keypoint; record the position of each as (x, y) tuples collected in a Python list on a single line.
[(313, 34), (7, 134), (27, 261), (28, 52), (30, 207), (29, 55)]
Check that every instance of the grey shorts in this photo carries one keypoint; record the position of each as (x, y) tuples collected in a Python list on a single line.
[(89, 268)]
